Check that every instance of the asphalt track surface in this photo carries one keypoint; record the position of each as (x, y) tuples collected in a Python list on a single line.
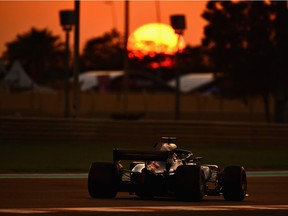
[(46, 195)]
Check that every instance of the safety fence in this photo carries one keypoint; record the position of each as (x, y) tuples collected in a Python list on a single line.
[(141, 131), (155, 105)]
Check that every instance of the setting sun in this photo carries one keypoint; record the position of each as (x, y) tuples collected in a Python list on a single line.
[(153, 38)]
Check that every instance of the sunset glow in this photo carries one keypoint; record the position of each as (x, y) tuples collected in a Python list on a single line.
[(96, 17), (154, 38)]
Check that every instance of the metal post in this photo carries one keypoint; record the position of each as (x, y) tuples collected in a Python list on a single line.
[(177, 87), (67, 86), (126, 60), (178, 24), (67, 20), (76, 58)]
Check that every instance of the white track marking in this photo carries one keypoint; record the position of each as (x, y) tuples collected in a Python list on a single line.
[(144, 209)]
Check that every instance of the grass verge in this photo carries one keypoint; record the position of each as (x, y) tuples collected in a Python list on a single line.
[(76, 157)]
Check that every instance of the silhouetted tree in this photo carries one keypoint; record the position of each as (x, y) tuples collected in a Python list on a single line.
[(104, 53), (193, 59), (280, 60), (41, 54), (245, 41)]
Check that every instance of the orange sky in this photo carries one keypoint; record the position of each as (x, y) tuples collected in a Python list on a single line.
[(96, 17)]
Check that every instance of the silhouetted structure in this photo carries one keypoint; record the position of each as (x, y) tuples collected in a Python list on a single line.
[(67, 20)]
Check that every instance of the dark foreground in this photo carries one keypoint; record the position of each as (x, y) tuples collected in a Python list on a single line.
[(70, 196)]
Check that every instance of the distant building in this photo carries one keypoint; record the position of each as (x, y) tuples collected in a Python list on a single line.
[(105, 81)]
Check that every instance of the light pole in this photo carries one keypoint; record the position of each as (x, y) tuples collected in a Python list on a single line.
[(67, 20), (76, 60), (178, 24)]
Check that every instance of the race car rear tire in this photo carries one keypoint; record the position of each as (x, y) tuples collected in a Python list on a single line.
[(234, 183), (190, 183), (102, 180)]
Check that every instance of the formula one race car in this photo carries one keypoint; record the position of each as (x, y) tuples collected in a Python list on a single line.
[(165, 171)]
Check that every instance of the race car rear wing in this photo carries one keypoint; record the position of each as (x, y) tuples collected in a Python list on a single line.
[(140, 155)]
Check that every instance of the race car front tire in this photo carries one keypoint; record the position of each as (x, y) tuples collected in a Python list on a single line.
[(190, 183), (102, 180), (234, 183)]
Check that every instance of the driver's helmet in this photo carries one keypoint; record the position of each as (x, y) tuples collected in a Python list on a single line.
[(168, 147), (166, 144)]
